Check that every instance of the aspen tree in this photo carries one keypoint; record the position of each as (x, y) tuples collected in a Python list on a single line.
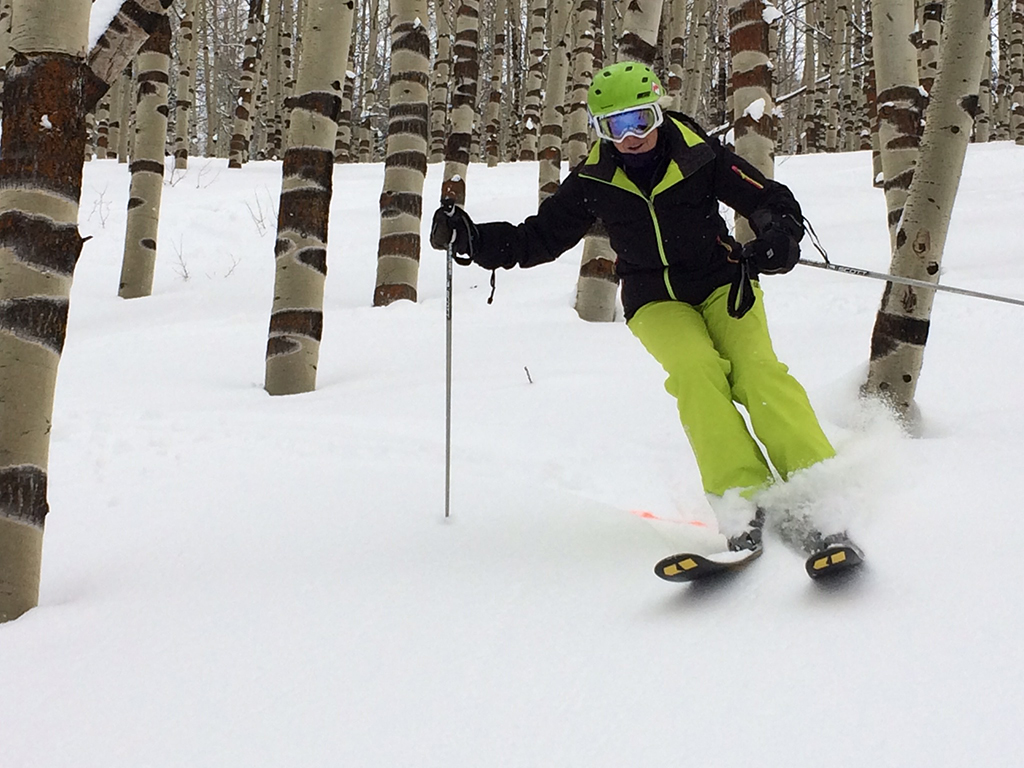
[(147, 166), (242, 133), (903, 320), (296, 320), (185, 91), (405, 165), (492, 117), (577, 120), (51, 85), (116, 94), (900, 102), (1016, 74), (752, 119), (549, 153), (696, 58), (441, 79), (365, 131), (533, 86), (598, 282), (343, 143), (983, 122), (463, 100), (931, 35)]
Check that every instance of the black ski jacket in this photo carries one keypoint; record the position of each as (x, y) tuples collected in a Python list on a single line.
[(672, 243)]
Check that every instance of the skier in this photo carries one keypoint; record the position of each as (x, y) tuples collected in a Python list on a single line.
[(690, 292)]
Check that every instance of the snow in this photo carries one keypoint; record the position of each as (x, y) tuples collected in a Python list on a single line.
[(103, 12), (232, 579), (755, 110), (771, 14)]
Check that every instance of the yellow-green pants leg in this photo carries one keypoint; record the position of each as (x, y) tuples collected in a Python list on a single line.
[(714, 360)]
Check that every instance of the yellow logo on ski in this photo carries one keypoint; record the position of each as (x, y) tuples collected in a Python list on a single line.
[(683, 565)]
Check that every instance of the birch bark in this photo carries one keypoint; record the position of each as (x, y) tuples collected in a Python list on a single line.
[(296, 320), (405, 166), (903, 321), (51, 86)]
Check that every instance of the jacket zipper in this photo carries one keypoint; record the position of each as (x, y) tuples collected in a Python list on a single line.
[(657, 230)]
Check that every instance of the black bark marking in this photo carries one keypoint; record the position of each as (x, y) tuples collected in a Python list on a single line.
[(39, 320), (40, 242), (297, 322), (892, 330), (23, 494)]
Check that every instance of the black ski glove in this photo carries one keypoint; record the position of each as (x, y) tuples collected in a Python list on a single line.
[(452, 225), (776, 250), (773, 254)]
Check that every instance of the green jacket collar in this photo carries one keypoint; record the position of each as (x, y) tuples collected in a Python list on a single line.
[(688, 151)]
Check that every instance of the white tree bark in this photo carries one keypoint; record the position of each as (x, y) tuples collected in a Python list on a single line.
[(296, 320), (463, 100), (900, 102), (50, 87), (147, 166), (405, 166), (902, 324), (185, 95), (247, 86)]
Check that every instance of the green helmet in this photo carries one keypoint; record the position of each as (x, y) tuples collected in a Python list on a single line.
[(621, 86)]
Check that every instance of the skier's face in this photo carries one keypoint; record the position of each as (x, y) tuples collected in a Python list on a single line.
[(631, 145)]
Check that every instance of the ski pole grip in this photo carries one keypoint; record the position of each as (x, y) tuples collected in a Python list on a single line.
[(448, 205)]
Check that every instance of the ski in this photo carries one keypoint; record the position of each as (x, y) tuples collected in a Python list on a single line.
[(688, 566), (834, 558)]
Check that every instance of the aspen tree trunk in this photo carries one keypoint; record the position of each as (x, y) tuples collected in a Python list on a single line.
[(343, 143), (442, 77), (871, 97), (103, 127), (116, 94), (272, 104), (696, 58), (50, 88), (287, 75), (983, 122), (676, 37), (127, 114), (492, 118), (902, 323), (598, 282), (829, 49), (931, 35), (367, 122), (212, 116), (147, 165), (549, 174), (577, 122), (296, 321), (464, 88), (899, 102), (810, 77), (1016, 74), (405, 166), (242, 133), (639, 40), (753, 118), (534, 81), (1003, 93), (185, 91)]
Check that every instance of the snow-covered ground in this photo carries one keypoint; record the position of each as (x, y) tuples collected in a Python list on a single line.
[(232, 579)]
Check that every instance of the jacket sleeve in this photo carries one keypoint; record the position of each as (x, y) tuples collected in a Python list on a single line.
[(561, 221), (766, 203)]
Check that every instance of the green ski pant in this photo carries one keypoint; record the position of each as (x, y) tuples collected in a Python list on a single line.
[(712, 360)]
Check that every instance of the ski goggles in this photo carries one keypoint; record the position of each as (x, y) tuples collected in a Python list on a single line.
[(638, 121)]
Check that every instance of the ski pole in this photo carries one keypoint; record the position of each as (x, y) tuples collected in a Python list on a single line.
[(449, 205), (856, 271)]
